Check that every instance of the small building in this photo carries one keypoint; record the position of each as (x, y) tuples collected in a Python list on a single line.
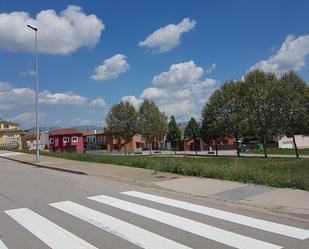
[(287, 142), (95, 140), (29, 140), (10, 137), (66, 140)]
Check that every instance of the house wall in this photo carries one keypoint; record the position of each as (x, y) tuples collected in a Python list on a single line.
[(59, 146), (287, 142), (9, 136)]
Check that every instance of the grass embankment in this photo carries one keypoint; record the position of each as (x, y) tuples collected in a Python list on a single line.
[(291, 173), (280, 151)]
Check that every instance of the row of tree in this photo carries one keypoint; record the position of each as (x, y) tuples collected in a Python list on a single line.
[(262, 106), (124, 121)]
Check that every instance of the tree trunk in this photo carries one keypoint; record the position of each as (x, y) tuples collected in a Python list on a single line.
[(151, 148), (265, 146), (216, 146), (175, 147), (295, 147), (195, 146), (237, 147)]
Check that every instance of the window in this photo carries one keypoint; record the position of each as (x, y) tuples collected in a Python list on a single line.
[(74, 139), (66, 140), (51, 140), (6, 126)]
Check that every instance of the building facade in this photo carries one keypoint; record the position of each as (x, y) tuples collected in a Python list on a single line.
[(287, 142), (29, 140), (95, 140), (10, 137), (66, 140)]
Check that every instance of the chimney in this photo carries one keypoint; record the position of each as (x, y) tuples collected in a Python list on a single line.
[(95, 131)]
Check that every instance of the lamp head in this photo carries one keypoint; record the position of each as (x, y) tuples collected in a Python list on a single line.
[(32, 27)]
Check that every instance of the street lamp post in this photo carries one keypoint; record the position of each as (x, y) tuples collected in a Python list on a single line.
[(37, 157)]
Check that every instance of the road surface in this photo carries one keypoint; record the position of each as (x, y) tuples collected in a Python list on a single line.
[(42, 208)]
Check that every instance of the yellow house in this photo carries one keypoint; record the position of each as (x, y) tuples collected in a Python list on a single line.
[(9, 135)]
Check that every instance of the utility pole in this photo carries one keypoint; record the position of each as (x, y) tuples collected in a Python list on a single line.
[(37, 157)]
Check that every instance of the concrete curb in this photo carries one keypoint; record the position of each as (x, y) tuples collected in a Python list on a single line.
[(47, 167)]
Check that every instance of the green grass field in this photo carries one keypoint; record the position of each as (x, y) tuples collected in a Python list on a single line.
[(276, 172), (280, 151)]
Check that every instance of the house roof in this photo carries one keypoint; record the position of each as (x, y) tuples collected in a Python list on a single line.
[(8, 122), (93, 132), (65, 131), (30, 135)]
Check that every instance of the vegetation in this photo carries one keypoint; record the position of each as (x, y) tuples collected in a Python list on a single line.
[(261, 106), (274, 172), (193, 131), (174, 133), (152, 122), (280, 151), (294, 105), (121, 122)]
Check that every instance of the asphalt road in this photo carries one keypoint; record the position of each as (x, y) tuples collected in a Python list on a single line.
[(42, 208)]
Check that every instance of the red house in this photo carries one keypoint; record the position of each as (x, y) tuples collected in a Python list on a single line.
[(66, 140)]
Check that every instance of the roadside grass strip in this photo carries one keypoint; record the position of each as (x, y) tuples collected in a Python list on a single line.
[(51, 234), (273, 227), (122, 229), (210, 232)]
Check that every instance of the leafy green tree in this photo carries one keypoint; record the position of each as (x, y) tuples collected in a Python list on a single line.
[(262, 98), (233, 111), (174, 133), (193, 131), (211, 128), (122, 123), (294, 106), (152, 122)]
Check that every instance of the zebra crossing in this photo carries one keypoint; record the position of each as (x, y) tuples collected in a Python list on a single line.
[(56, 237)]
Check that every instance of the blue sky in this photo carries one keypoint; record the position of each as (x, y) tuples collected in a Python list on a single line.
[(200, 45)]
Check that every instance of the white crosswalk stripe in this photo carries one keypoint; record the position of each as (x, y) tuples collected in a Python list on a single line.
[(232, 217), (2, 245), (51, 234), (124, 230), (210, 232)]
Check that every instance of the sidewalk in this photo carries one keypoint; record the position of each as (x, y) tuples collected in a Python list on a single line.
[(288, 202)]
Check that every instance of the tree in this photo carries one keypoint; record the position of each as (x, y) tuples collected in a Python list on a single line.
[(193, 131), (152, 122), (174, 132), (213, 128), (233, 111), (121, 122), (262, 98), (294, 106)]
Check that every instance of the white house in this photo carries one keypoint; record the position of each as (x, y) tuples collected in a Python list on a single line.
[(287, 142)]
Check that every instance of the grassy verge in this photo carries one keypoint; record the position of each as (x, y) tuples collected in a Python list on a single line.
[(274, 172), (280, 151)]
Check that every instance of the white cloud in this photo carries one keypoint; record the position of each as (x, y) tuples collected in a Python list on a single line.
[(57, 34), (85, 122), (28, 72), (186, 72), (169, 36), (61, 98), (132, 100), (153, 93), (111, 68), (4, 86), (181, 91), (290, 56), (28, 119), (211, 68), (99, 102)]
